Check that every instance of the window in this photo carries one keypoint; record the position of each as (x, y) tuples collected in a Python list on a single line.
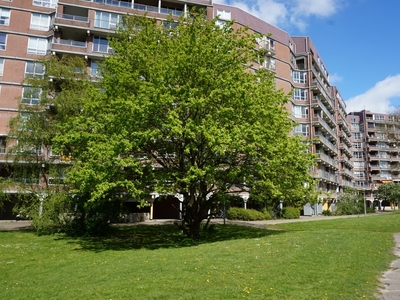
[(301, 129), (355, 126), (100, 44), (358, 145), (40, 22), (3, 41), (380, 135), (94, 69), (384, 164), (2, 144), (358, 154), (37, 46), (106, 20), (34, 70), (4, 16), (379, 117), (359, 164), (359, 174), (1, 66), (357, 135), (300, 111), (300, 94), (30, 95), (224, 14), (299, 76), (45, 3)]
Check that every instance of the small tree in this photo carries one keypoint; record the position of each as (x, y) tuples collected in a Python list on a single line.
[(389, 192), (350, 203)]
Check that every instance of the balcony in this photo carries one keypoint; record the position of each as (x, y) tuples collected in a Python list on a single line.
[(347, 173), (141, 7), (71, 20), (69, 46), (326, 176), (325, 159), (318, 121), (325, 98), (326, 143), (345, 148)]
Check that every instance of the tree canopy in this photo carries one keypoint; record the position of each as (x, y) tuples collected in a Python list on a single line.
[(179, 110)]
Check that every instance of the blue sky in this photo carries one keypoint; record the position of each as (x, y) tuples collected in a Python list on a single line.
[(358, 40)]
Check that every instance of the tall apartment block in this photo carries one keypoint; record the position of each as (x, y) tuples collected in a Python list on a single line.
[(376, 149), (31, 29)]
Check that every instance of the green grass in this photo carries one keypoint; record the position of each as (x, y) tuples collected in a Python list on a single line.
[(335, 259)]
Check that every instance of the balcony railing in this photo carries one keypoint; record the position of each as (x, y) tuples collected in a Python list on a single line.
[(326, 142), (70, 43), (138, 6), (73, 18)]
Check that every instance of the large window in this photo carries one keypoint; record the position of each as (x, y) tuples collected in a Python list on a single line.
[(359, 174), (358, 145), (3, 41), (224, 14), (355, 126), (300, 111), (100, 44), (45, 3), (34, 70), (301, 129), (299, 76), (359, 164), (94, 69), (358, 154), (379, 117), (357, 135), (300, 94), (106, 20), (4, 16), (37, 46), (40, 22), (30, 95)]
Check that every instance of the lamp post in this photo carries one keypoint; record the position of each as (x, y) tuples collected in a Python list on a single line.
[(365, 205)]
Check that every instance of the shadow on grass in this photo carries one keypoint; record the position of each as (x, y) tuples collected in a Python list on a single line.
[(164, 236)]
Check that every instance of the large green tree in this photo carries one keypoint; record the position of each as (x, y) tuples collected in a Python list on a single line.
[(389, 192), (181, 111)]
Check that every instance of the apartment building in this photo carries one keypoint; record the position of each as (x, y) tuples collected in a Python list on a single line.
[(31, 29), (376, 149)]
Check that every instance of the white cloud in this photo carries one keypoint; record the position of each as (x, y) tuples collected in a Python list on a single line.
[(284, 13), (335, 78), (378, 98)]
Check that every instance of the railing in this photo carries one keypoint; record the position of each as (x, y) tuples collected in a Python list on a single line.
[(138, 6), (325, 125), (327, 113), (327, 159), (70, 43), (72, 17), (326, 142)]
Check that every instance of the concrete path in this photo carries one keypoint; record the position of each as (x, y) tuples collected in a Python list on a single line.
[(391, 278)]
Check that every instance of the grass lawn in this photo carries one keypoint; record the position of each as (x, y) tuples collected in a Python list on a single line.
[(333, 259)]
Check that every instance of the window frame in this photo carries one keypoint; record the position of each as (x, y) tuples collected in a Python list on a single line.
[(35, 49), (40, 26), (28, 96), (5, 20)]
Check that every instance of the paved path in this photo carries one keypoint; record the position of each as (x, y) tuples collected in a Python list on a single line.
[(390, 279)]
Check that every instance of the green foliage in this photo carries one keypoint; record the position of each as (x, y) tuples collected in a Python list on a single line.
[(176, 111), (350, 203), (389, 191), (290, 213), (327, 212), (236, 213)]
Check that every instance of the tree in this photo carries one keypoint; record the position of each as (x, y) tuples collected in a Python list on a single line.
[(389, 192), (180, 111), (350, 202), (50, 101)]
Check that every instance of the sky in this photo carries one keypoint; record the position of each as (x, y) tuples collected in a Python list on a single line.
[(358, 41)]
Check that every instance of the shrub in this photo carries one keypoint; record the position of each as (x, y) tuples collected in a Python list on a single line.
[(236, 213), (327, 212), (290, 213), (349, 207)]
